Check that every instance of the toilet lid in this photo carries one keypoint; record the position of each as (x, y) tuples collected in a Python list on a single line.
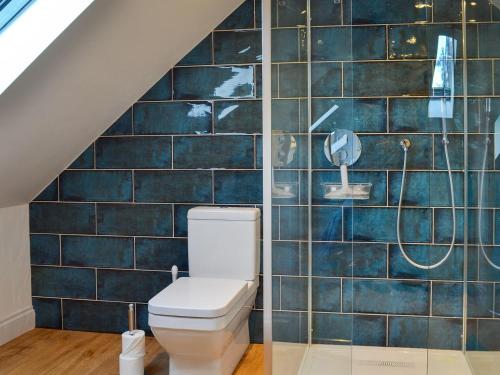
[(198, 297)]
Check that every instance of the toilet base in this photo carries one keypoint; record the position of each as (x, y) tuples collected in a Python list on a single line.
[(224, 365)]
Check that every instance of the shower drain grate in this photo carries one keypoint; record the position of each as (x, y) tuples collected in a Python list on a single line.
[(377, 363)]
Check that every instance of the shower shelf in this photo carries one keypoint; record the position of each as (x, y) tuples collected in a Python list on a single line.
[(345, 190), (336, 191), (285, 190)]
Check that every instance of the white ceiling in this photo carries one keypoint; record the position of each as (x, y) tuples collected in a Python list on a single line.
[(87, 78)]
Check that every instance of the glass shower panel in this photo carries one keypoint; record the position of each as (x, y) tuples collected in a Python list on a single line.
[(384, 159), (395, 253), (483, 69), (289, 185)]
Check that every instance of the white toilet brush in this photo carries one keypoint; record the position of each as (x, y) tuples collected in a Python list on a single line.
[(133, 348)]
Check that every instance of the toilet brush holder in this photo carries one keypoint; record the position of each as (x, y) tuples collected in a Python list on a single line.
[(133, 348)]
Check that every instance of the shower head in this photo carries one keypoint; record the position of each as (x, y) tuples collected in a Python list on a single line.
[(443, 79)]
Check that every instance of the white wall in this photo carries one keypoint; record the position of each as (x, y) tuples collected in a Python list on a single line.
[(16, 311)]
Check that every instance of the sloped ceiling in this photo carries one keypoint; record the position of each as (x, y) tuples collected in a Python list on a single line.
[(87, 78)]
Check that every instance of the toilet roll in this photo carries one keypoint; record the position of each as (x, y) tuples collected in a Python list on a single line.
[(133, 351)]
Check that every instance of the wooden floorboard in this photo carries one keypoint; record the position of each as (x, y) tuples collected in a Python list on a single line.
[(54, 352)]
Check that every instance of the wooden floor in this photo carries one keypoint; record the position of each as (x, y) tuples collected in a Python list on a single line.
[(53, 352)]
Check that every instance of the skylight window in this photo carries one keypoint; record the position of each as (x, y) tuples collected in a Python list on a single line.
[(25, 32), (9, 9)]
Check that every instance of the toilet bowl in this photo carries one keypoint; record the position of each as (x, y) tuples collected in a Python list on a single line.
[(202, 320)]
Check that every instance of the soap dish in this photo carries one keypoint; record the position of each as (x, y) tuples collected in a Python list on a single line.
[(336, 191)]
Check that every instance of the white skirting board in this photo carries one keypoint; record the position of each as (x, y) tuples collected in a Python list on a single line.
[(17, 324)]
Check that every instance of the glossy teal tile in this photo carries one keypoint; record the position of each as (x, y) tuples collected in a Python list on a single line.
[(326, 294), (244, 116), (87, 251), (85, 160), (326, 224), (332, 260), (50, 193), (96, 186), (122, 126), (359, 329), (44, 249), (287, 258), (420, 41), (326, 12), (480, 300), (487, 227), (387, 296), (478, 11), (77, 218), (369, 330), (134, 219), (447, 11), (425, 189), (332, 328), (488, 331), (176, 186), (172, 118), (447, 299), (241, 18), (326, 79), (389, 154), (47, 313), (367, 224), (228, 151), (180, 219), (360, 12), (285, 45), (142, 316), (161, 254), (211, 82), (63, 282), (162, 90), (496, 77), (237, 47), (134, 152), (238, 187), (255, 326), (402, 78), (199, 55), (294, 293), (480, 77), (292, 80), (411, 115), (358, 115), (451, 269), (420, 332), (141, 285), (95, 316), (443, 226), (290, 326), (291, 12), (340, 43)]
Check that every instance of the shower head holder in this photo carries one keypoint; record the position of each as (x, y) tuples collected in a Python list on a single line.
[(405, 144)]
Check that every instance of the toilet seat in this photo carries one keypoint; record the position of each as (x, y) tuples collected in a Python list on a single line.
[(198, 297), (197, 303)]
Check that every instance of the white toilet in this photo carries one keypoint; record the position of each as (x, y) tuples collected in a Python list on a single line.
[(202, 320)]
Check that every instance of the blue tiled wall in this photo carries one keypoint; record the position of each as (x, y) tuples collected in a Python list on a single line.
[(108, 229)]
